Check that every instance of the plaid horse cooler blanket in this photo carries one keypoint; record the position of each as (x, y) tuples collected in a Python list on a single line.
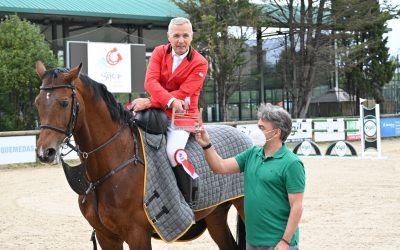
[(164, 204)]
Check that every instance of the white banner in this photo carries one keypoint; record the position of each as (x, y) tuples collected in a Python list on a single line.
[(301, 130), (110, 64), (17, 149), (334, 128)]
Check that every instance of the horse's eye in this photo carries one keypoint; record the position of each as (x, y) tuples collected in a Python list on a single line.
[(64, 103)]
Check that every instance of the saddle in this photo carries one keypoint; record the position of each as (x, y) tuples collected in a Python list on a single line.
[(152, 120)]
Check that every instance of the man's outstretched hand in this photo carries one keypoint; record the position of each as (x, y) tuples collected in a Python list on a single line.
[(202, 137)]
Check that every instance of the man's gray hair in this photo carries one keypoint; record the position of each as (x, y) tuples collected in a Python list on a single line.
[(179, 21), (278, 116)]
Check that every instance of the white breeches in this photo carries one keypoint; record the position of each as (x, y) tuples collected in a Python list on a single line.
[(176, 139)]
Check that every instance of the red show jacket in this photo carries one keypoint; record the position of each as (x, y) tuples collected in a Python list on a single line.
[(186, 81)]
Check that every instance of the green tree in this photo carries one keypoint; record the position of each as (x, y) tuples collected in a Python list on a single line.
[(306, 23), (365, 58), (225, 50), (21, 45), (312, 29)]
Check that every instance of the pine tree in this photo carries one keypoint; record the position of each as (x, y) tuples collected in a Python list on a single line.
[(365, 58)]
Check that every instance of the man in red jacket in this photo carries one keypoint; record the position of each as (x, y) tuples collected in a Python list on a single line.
[(175, 74)]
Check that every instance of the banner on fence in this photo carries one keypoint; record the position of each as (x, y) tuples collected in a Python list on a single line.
[(334, 130), (301, 130), (353, 135), (390, 126), (17, 149)]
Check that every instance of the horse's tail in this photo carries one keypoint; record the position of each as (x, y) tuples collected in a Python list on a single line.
[(240, 233)]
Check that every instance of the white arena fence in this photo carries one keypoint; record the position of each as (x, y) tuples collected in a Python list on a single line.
[(19, 146)]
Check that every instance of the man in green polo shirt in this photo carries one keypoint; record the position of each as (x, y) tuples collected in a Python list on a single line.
[(274, 182)]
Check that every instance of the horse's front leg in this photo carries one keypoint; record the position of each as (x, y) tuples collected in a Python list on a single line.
[(108, 243), (139, 238), (106, 239)]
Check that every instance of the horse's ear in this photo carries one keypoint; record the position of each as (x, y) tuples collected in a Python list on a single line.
[(40, 68), (74, 72)]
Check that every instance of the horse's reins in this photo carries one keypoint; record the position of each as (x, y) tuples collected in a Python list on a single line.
[(68, 133)]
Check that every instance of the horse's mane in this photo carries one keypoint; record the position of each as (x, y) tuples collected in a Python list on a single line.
[(117, 111)]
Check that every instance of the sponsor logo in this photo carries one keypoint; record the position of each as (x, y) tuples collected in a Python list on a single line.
[(306, 148), (340, 148), (370, 129)]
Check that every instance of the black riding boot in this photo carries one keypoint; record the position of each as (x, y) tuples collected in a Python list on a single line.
[(185, 183)]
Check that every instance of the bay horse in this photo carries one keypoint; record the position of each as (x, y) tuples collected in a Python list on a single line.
[(71, 104)]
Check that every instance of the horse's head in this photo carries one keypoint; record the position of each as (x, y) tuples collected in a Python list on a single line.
[(58, 108)]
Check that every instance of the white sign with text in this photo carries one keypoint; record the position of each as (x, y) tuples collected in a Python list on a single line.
[(110, 64), (17, 149)]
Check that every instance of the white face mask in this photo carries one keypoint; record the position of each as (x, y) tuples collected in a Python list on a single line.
[(266, 133), (259, 138)]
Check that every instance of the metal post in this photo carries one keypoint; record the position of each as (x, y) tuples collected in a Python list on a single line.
[(240, 103), (260, 63), (362, 130), (140, 34), (378, 130), (54, 38), (336, 73), (65, 35)]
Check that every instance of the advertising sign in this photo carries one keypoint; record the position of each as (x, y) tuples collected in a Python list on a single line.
[(301, 130), (110, 64), (17, 149), (353, 135), (371, 134), (334, 130), (390, 126)]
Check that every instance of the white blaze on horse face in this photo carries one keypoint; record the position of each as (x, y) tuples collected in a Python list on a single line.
[(48, 96)]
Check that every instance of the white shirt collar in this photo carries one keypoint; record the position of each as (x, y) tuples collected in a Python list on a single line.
[(179, 56)]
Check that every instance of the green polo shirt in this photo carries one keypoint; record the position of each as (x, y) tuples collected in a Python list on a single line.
[(267, 182)]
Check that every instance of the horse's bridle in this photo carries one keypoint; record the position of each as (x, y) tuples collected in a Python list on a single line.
[(72, 122), (74, 111)]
